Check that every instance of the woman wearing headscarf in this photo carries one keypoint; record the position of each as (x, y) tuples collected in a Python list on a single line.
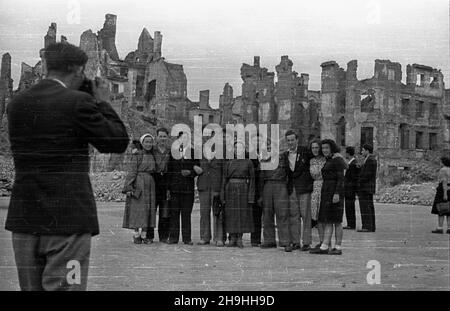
[(238, 195), (140, 211)]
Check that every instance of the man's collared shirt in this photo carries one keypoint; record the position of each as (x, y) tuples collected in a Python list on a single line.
[(59, 81), (292, 159)]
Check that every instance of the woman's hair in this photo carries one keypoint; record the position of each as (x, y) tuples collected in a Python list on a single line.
[(316, 141), (446, 161), (334, 148)]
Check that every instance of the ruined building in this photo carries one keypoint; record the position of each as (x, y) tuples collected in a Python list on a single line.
[(403, 122), (287, 101)]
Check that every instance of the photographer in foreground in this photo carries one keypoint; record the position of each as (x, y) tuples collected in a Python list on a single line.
[(52, 212)]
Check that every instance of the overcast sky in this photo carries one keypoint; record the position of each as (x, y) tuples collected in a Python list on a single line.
[(213, 38)]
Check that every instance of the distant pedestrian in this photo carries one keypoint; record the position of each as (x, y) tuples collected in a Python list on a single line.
[(332, 199), (367, 188), (442, 196), (350, 188), (140, 206)]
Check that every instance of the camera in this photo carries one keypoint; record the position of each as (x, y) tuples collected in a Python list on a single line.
[(87, 86)]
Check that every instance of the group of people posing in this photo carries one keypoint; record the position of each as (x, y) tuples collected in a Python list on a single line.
[(310, 188)]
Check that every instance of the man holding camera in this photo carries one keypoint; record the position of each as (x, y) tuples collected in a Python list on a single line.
[(52, 212)]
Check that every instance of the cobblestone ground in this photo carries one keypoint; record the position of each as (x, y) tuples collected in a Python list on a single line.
[(411, 258)]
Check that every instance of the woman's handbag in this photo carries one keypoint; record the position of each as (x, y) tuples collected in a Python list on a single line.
[(443, 208), (217, 206)]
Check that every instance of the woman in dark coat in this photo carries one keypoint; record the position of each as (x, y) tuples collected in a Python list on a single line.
[(331, 208), (140, 207), (442, 195), (238, 195)]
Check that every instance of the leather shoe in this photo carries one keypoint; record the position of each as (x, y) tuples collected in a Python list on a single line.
[(172, 242), (189, 243), (305, 248), (364, 230), (319, 251), (288, 249), (440, 231), (220, 244), (335, 251), (295, 246), (349, 228)]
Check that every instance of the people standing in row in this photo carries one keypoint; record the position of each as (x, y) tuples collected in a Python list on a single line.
[(181, 174), (275, 202), (351, 187), (161, 154), (238, 196), (442, 195), (300, 187), (316, 165), (209, 184), (140, 206), (331, 208), (366, 189)]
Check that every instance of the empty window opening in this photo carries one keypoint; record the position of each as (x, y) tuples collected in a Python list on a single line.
[(419, 140), (433, 143), (367, 102), (404, 137), (366, 136)]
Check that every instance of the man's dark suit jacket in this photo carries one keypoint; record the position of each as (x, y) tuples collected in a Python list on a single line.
[(177, 182), (351, 179), (50, 128), (211, 178), (368, 176), (300, 178)]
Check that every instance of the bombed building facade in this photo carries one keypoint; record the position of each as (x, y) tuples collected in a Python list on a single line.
[(286, 102), (404, 122)]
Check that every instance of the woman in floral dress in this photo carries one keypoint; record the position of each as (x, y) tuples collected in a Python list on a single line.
[(316, 165)]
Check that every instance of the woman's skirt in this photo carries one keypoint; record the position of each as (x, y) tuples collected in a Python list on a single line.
[(237, 212), (315, 199), (439, 198)]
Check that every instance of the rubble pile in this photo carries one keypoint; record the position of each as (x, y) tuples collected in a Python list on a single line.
[(6, 175), (413, 194), (108, 186)]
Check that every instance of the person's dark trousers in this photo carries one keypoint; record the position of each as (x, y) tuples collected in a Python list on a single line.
[(163, 225), (276, 203), (367, 210), (52, 262), (350, 209), (255, 236), (181, 205)]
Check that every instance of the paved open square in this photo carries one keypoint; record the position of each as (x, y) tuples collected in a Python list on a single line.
[(410, 257)]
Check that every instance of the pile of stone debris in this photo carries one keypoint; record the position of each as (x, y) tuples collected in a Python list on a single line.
[(108, 186), (412, 194), (6, 176)]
